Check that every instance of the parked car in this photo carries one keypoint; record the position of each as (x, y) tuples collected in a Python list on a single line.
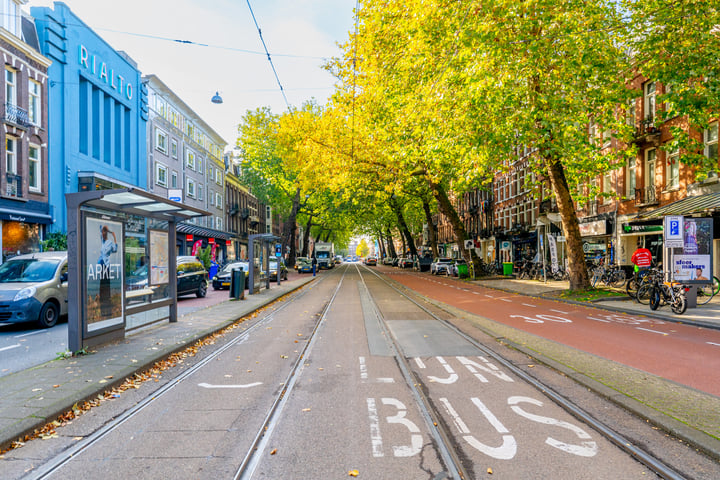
[(304, 265), (191, 277), (222, 279), (33, 288), (422, 264), (405, 262), (274, 268), (371, 261), (298, 260), (442, 266)]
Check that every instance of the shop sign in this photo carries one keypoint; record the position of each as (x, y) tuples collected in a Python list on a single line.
[(505, 246), (591, 247), (598, 227), (627, 228)]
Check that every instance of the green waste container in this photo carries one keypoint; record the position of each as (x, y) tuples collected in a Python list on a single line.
[(462, 270), (507, 268)]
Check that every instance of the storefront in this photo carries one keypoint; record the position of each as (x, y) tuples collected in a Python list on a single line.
[(190, 238), (597, 240), (22, 231), (648, 234)]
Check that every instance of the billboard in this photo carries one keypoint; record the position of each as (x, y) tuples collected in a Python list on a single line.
[(103, 270), (694, 265)]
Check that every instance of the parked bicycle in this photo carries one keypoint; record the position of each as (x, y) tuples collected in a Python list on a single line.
[(706, 292), (639, 278), (663, 292), (612, 276)]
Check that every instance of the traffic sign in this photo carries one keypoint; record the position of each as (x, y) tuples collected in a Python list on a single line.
[(278, 250)]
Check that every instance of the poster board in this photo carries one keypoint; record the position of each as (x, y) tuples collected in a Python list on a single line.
[(103, 296), (694, 264)]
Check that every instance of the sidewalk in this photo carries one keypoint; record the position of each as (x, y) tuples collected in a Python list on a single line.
[(31, 398), (707, 316)]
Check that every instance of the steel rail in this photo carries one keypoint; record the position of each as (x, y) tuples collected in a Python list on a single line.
[(435, 427), (657, 466), (261, 440), (52, 466)]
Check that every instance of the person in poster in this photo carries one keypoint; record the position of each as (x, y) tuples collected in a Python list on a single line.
[(107, 246), (691, 245)]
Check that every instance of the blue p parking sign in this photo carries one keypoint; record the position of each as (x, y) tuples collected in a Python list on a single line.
[(278, 250), (674, 227), (673, 231)]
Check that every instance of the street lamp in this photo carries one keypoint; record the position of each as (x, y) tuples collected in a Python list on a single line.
[(216, 98)]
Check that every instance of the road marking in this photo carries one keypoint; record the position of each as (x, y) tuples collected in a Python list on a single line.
[(375, 437), (8, 348), (653, 331), (559, 311), (489, 296), (716, 344), (506, 300), (419, 362), (31, 333), (459, 424), (385, 380), (363, 369), (476, 293), (248, 385), (451, 379), (598, 319), (529, 305)]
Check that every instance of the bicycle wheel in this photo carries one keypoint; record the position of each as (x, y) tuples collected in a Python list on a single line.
[(705, 293), (617, 278), (631, 288), (643, 294), (679, 304), (655, 296), (716, 286)]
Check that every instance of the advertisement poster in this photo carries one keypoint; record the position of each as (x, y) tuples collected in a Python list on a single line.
[(159, 266), (553, 253), (695, 262), (103, 273)]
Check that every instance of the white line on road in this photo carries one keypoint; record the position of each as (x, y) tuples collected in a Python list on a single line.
[(529, 305), (716, 344), (363, 369), (207, 385), (506, 300), (385, 380), (476, 293), (31, 333), (489, 296), (559, 311), (652, 331), (8, 348), (598, 319)]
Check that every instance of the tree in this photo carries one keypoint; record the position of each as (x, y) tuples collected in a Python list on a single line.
[(362, 249)]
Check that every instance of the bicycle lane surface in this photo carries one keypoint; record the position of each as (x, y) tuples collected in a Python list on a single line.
[(682, 353)]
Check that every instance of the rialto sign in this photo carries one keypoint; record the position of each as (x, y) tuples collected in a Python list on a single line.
[(101, 71)]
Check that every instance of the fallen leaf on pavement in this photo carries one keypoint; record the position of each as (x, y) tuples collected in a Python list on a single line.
[(305, 409), (274, 451), (353, 473), (489, 470)]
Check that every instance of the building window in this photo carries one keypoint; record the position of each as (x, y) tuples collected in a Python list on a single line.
[(631, 112), (173, 148), (161, 141), (218, 223), (711, 142), (190, 188), (650, 106), (10, 155), (672, 169), (218, 200), (34, 102), (160, 106), (200, 165), (200, 192), (173, 179), (34, 172), (211, 197), (190, 159), (607, 188), (10, 86), (11, 17), (161, 172), (631, 178), (219, 177)]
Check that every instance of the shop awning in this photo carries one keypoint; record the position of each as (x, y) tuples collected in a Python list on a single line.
[(204, 232), (707, 203), (26, 216)]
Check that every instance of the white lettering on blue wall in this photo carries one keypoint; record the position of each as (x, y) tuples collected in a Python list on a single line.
[(114, 81)]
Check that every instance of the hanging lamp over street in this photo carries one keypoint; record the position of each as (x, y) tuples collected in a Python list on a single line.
[(217, 98)]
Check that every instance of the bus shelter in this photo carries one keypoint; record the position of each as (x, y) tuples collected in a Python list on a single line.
[(260, 246), (121, 262)]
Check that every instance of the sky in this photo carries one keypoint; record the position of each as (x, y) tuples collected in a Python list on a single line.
[(299, 34)]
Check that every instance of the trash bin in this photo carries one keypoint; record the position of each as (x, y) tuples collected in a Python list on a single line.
[(462, 270), (213, 270), (507, 268), (237, 283)]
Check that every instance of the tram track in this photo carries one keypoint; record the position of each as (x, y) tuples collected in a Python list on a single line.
[(659, 467), (56, 463)]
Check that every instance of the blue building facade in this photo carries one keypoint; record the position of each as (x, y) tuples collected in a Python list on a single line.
[(97, 111)]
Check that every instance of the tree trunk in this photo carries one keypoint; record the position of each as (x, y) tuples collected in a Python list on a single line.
[(431, 229), (306, 238), (327, 236), (381, 244), (290, 229), (390, 243), (404, 230), (579, 279), (446, 207)]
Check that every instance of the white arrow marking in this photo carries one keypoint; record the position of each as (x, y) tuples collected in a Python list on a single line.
[(249, 385)]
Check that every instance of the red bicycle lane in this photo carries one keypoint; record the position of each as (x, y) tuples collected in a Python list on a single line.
[(682, 353)]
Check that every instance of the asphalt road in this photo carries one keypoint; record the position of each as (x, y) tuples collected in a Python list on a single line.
[(349, 376)]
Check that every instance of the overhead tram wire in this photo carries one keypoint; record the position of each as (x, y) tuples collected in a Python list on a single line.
[(354, 63), (272, 65)]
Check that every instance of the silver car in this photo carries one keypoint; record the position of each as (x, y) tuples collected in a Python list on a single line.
[(33, 288)]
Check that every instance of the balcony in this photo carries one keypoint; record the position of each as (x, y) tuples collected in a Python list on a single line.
[(254, 219), (16, 115), (647, 132), (646, 196), (234, 210), (13, 186)]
